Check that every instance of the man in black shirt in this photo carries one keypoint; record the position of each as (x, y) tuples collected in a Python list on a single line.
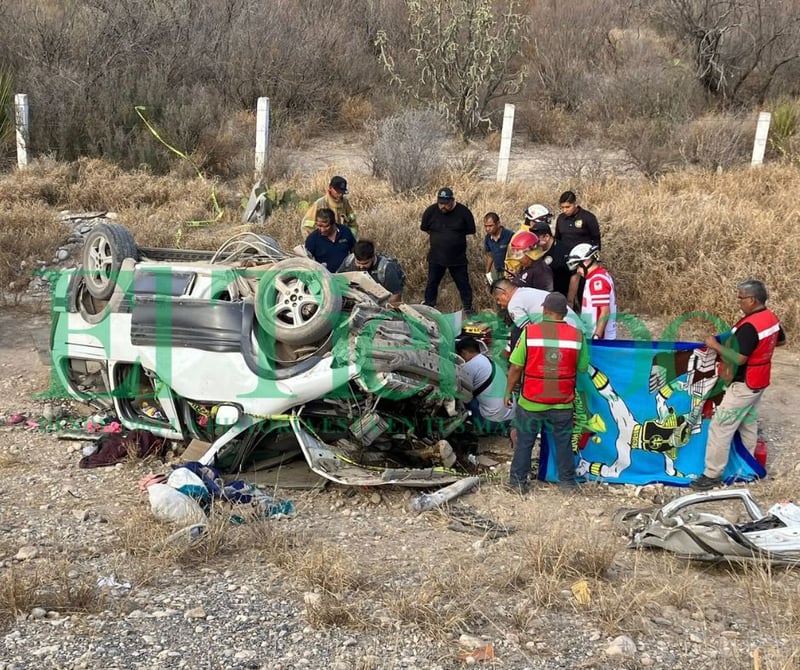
[(448, 223), (555, 256), (576, 225)]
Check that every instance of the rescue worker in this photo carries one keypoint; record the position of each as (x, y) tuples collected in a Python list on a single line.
[(336, 200), (531, 270), (599, 301), (490, 415), (746, 362), (555, 256), (547, 359), (532, 215), (576, 225), (383, 269)]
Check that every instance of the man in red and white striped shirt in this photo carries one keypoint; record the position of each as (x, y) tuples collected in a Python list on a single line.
[(599, 303)]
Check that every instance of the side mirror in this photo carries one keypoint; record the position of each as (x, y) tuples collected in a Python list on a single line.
[(225, 417)]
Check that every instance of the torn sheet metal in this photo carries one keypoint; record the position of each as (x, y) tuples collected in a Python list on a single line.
[(689, 528)]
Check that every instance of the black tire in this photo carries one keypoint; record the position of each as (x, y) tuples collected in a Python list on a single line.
[(106, 246), (296, 301)]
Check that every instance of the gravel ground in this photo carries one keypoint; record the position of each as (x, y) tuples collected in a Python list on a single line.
[(354, 581)]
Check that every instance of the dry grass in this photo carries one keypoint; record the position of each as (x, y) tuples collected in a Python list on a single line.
[(9, 461), (675, 246), (51, 585)]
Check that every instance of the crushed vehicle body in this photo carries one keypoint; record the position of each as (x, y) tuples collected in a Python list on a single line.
[(690, 528), (265, 356)]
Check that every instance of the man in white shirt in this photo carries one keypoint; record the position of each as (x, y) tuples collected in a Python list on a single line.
[(524, 305), (599, 302), (489, 412)]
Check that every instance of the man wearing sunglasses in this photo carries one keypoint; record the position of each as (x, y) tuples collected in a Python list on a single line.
[(745, 355)]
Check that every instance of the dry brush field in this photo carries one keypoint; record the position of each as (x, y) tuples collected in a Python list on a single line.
[(675, 246), (355, 578)]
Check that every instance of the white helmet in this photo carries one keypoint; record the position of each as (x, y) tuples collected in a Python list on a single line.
[(582, 252), (536, 213)]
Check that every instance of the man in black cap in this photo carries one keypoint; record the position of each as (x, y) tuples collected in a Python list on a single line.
[(336, 200), (448, 223)]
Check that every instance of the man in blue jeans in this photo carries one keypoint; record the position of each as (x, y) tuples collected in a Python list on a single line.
[(448, 223), (547, 359)]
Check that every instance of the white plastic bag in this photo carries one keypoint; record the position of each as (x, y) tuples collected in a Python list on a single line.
[(170, 505)]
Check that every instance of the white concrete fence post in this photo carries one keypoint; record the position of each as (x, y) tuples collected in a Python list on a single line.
[(760, 143), (505, 144), (21, 114), (262, 136)]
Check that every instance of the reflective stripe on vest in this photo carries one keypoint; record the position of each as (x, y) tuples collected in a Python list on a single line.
[(759, 363), (551, 361)]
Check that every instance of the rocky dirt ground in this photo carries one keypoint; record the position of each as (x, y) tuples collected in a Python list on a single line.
[(354, 581)]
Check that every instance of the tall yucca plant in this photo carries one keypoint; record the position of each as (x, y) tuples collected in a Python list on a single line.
[(6, 107)]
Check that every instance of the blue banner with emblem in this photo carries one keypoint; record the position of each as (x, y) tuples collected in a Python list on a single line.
[(642, 416)]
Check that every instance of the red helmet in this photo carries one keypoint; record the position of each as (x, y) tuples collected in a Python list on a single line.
[(525, 243), (524, 240)]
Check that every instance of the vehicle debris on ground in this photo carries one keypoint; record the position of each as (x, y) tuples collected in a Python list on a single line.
[(693, 527)]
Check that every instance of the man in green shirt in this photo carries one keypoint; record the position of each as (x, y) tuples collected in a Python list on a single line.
[(547, 359)]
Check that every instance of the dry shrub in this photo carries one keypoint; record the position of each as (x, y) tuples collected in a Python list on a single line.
[(355, 112), (328, 568), (29, 234), (298, 131), (784, 142), (649, 143), (326, 610), (579, 164), (680, 245), (493, 141), (675, 246), (432, 605), (51, 586), (191, 85), (149, 547), (9, 461), (560, 555), (464, 164), (406, 150), (716, 141), (547, 123)]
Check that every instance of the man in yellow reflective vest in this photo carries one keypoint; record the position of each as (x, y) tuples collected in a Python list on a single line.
[(336, 200), (547, 359)]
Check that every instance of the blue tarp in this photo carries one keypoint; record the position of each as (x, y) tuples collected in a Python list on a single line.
[(647, 410)]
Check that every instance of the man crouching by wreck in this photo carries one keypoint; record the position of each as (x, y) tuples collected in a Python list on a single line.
[(746, 361), (547, 358)]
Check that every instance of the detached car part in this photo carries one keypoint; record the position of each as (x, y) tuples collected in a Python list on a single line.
[(686, 527)]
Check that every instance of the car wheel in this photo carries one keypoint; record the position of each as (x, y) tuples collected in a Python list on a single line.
[(106, 246), (295, 300)]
